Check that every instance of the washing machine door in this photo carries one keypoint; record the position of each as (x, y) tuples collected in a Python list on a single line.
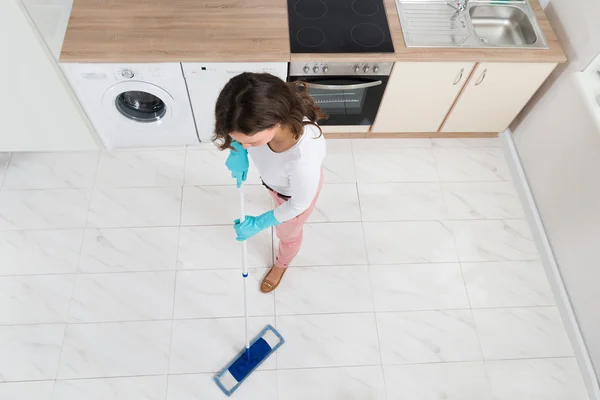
[(140, 104)]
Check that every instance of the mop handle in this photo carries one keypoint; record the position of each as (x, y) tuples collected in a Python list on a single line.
[(244, 270)]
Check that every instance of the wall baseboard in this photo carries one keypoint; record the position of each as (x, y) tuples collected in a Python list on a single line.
[(550, 265)]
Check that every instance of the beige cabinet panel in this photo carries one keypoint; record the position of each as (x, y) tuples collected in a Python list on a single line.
[(494, 95), (419, 95)]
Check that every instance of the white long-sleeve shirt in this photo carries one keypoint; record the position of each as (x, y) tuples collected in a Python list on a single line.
[(295, 172)]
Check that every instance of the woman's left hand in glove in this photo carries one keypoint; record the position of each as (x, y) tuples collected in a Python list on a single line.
[(252, 225)]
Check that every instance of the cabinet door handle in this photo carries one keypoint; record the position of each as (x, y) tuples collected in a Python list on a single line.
[(481, 78), (459, 77)]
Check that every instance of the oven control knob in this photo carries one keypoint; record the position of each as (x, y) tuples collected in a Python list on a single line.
[(326, 69), (127, 74), (315, 69), (306, 69), (366, 69), (357, 69), (375, 68)]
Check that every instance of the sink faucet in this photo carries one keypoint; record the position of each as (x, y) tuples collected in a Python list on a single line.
[(458, 5)]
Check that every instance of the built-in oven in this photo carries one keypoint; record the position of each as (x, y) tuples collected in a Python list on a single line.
[(349, 93)]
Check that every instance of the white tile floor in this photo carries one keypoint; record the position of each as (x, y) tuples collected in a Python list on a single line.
[(418, 279)]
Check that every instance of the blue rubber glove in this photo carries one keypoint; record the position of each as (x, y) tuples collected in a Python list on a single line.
[(237, 163), (252, 225)]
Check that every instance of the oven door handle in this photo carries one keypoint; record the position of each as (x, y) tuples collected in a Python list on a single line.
[(343, 87)]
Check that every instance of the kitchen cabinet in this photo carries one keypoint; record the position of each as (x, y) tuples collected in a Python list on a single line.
[(38, 109), (419, 95), (494, 95)]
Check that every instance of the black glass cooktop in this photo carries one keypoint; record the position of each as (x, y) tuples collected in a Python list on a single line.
[(339, 26)]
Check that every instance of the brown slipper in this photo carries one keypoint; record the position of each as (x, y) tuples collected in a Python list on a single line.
[(267, 286)]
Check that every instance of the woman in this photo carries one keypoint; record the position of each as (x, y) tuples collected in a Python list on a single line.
[(276, 123)]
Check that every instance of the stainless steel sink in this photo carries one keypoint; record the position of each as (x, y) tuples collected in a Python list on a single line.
[(502, 25), (483, 24)]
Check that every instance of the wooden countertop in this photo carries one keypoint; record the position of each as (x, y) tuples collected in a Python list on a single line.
[(239, 31), (553, 54), (176, 31)]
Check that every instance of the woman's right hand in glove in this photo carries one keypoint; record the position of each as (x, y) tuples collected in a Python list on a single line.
[(237, 163)]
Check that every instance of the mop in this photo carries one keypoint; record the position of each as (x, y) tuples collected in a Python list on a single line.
[(262, 346)]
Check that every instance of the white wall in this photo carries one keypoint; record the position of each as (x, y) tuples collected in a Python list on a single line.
[(38, 110), (561, 158)]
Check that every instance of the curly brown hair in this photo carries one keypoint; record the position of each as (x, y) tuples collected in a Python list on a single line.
[(251, 103)]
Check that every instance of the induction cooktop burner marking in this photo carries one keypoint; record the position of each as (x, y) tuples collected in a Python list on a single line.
[(365, 8), (367, 35), (310, 9), (310, 36)]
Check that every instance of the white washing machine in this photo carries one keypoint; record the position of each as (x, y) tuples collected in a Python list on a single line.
[(205, 81), (135, 105)]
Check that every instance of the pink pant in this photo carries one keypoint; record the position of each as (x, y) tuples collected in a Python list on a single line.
[(290, 232)]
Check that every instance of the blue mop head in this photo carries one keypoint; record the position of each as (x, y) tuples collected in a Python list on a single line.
[(232, 376)]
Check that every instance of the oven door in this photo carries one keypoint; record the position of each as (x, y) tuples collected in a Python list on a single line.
[(346, 100)]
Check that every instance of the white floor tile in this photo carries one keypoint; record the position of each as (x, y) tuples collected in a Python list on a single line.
[(220, 205), (215, 247), (129, 249), (409, 242), (51, 171), (364, 383), (401, 202), (448, 381), (531, 332), (131, 296), (427, 337), (35, 299), (338, 202), (30, 352), (395, 165), (331, 340), (43, 209), (418, 287), (331, 244), (4, 158), (135, 207), (39, 252), (482, 200), (315, 290), (471, 164), (338, 166), (115, 350), (208, 345), (466, 142), (38, 390), (505, 240), (261, 385), (219, 293), (208, 168), (545, 379), (141, 168), (134, 388), (507, 284)]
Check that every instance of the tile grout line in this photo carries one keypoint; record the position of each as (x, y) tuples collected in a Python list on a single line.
[(10, 156), (458, 258), (396, 264), (76, 275), (293, 369), (364, 237), (262, 315), (175, 276), (399, 221)]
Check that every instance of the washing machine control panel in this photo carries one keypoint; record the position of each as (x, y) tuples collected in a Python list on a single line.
[(142, 72), (127, 73)]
